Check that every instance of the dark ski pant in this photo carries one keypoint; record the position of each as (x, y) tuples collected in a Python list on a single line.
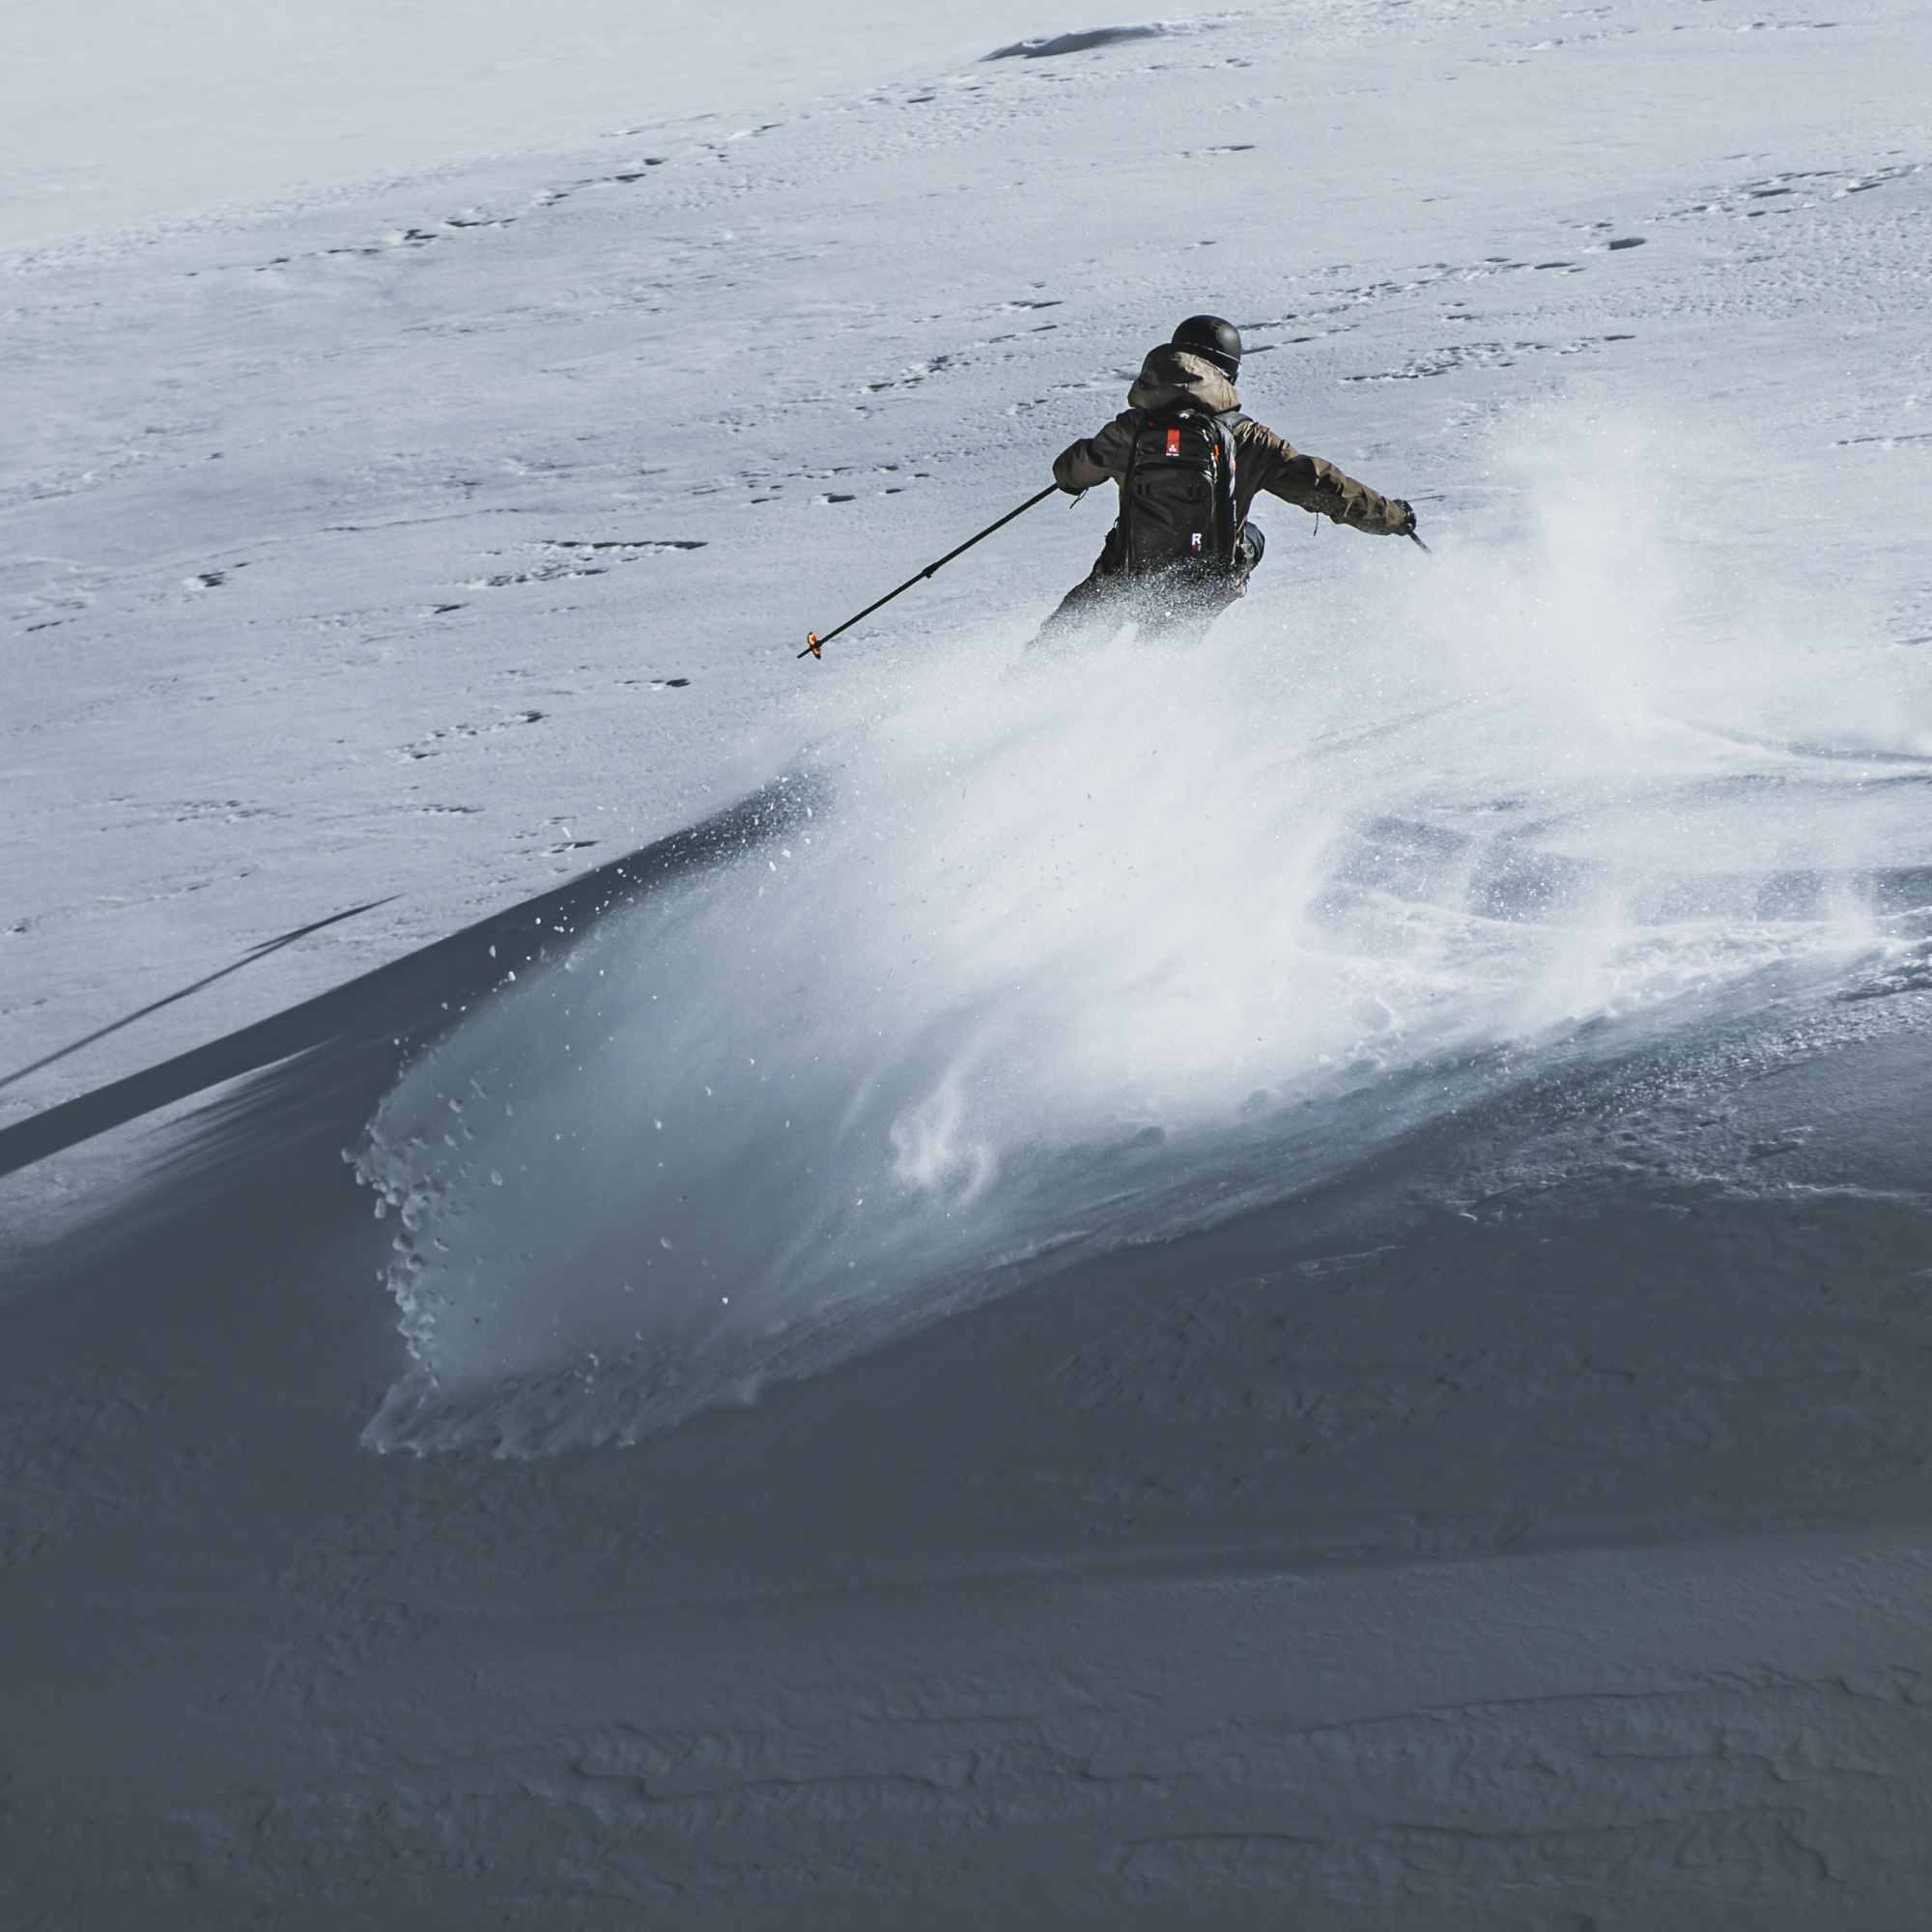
[(1174, 604)]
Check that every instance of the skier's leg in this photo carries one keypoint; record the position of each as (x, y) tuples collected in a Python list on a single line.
[(1090, 602), (1079, 606)]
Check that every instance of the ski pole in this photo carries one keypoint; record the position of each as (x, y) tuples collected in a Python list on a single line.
[(1420, 545), (815, 643)]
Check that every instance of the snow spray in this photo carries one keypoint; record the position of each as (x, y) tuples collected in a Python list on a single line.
[(1107, 949)]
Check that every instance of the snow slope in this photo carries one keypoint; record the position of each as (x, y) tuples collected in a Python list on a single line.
[(119, 115), (1278, 1278)]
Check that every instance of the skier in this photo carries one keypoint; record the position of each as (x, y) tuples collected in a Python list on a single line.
[(1189, 464)]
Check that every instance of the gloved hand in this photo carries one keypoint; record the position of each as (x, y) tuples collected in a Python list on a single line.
[(1406, 527)]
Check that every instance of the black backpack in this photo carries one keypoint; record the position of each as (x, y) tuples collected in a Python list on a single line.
[(1177, 503)]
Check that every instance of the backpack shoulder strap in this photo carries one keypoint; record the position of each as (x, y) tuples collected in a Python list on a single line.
[(1230, 424)]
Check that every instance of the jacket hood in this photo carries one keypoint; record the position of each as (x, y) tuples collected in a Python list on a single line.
[(1170, 376)]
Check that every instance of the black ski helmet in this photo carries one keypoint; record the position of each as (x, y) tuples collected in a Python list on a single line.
[(1210, 336)]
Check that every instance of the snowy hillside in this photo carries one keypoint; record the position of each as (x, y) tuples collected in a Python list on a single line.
[(1273, 1281)]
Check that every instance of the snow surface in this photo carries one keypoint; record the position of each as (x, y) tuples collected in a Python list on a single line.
[(1279, 1281)]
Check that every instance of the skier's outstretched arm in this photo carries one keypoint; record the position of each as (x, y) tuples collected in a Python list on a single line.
[(1310, 483), (1096, 459)]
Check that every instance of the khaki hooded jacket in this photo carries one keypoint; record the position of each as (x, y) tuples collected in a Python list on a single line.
[(1171, 377)]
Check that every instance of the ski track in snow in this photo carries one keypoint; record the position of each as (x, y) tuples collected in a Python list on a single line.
[(1430, 1072)]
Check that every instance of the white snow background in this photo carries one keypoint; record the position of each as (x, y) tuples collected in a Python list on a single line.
[(946, 1350)]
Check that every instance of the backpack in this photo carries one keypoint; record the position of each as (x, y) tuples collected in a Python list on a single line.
[(1177, 501)]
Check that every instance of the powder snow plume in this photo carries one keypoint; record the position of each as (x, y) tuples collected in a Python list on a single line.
[(1077, 954)]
